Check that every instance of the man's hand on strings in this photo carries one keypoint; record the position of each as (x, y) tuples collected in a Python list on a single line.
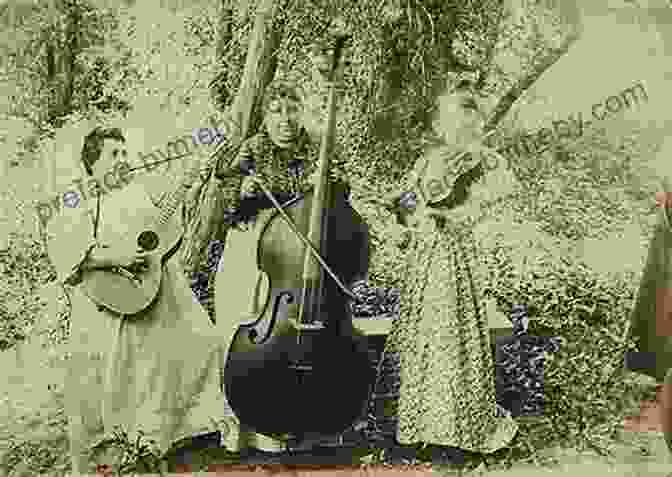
[(249, 187), (108, 257)]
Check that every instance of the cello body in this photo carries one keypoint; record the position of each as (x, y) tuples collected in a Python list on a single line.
[(316, 380)]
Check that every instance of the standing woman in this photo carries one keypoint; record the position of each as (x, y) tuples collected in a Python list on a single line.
[(651, 316), (441, 339)]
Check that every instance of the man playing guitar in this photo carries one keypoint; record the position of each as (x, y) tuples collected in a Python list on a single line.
[(155, 370)]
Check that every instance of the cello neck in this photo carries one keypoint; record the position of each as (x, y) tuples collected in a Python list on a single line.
[(321, 195)]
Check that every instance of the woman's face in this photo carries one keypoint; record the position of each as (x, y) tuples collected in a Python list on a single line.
[(282, 121), (459, 120)]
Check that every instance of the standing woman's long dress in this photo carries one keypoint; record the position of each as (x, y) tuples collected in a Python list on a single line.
[(441, 339), (155, 372), (650, 324)]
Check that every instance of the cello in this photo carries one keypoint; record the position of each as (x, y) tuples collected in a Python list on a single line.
[(299, 368)]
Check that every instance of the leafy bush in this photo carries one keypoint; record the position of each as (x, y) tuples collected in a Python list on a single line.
[(519, 367), (39, 457), (32, 418), (584, 381), (139, 456), (38, 61), (25, 270)]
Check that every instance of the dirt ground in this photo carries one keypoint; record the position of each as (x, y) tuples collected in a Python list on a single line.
[(644, 454)]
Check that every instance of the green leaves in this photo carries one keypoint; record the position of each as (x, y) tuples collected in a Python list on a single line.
[(583, 381), (141, 455)]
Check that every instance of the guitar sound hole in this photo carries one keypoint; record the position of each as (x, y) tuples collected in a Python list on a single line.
[(148, 240)]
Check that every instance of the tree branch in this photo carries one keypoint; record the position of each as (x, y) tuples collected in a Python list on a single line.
[(490, 52), (511, 96), (258, 66), (207, 222)]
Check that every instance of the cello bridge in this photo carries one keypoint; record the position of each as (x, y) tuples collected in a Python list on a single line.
[(301, 367), (315, 326)]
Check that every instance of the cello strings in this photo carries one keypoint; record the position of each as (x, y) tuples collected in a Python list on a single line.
[(305, 240)]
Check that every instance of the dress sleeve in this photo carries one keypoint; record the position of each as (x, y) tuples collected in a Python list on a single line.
[(430, 177), (498, 182), (406, 195), (69, 242), (665, 215), (231, 177)]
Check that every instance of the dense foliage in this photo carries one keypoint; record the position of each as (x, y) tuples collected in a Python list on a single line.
[(586, 311)]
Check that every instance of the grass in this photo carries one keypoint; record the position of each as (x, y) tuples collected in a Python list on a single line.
[(631, 453)]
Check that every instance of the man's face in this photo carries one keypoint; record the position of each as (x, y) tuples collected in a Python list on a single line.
[(282, 121), (112, 153)]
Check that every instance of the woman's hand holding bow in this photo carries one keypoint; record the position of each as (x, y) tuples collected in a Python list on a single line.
[(470, 210)]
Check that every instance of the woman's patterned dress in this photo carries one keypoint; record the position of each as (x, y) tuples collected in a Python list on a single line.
[(440, 345)]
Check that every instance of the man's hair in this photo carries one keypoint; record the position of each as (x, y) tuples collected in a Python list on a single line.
[(93, 145), (280, 88)]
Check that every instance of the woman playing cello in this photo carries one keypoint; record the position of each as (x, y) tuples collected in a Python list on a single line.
[(282, 157)]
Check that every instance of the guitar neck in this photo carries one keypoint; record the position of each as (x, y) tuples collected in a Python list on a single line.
[(172, 201), (169, 205)]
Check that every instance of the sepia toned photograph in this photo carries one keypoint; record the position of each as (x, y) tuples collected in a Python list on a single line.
[(368, 238)]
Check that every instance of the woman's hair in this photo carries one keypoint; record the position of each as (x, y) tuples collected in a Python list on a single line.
[(93, 145), (280, 88)]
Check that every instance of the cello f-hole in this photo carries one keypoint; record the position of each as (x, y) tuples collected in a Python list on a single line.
[(288, 298)]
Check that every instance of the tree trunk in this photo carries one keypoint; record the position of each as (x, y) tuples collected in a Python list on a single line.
[(259, 67), (72, 50), (205, 224), (219, 91), (52, 64), (63, 91)]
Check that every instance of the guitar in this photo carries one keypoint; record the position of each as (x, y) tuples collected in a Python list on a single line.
[(130, 290)]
